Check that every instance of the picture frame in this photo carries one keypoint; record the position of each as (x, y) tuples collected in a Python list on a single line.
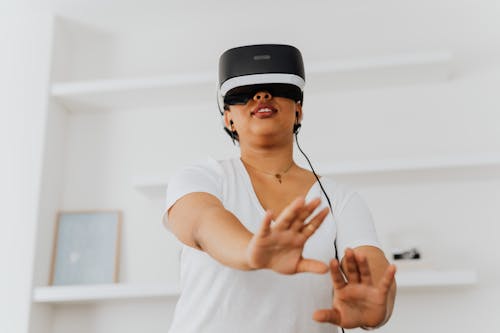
[(86, 248)]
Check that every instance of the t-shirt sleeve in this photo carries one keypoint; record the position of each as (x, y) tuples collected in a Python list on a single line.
[(355, 225), (201, 177)]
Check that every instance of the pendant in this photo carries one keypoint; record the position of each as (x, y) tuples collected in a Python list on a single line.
[(278, 176)]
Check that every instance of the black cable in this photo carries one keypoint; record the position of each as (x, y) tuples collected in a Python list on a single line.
[(322, 189), (326, 195)]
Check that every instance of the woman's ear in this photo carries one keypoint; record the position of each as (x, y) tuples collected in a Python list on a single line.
[(227, 119)]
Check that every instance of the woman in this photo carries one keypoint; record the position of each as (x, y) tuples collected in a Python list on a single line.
[(259, 233)]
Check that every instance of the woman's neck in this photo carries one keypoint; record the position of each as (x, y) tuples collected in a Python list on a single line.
[(268, 159)]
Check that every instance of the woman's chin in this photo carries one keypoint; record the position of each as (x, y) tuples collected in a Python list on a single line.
[(267, 137)]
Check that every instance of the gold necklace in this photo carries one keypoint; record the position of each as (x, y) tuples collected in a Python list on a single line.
[(278, 176)]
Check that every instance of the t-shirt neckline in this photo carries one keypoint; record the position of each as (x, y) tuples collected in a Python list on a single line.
[(246, 177)]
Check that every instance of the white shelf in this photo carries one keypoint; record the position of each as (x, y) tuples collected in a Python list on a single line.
[(380, 71), (105, 292), (154, 187), (158, 186), (111, 94), (201, 86), (116, 292), (391, 165), (103, 86), (435, 278)]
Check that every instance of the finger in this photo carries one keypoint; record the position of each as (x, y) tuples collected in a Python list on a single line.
[(305, 213), (387, 279), (327, 316), (265, 227), (364, 269), (337, 277), (289, 214), (352, 267), (313, 225), (312, 266)]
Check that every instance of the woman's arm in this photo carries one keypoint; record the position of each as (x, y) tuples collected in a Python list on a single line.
[(200, 221)]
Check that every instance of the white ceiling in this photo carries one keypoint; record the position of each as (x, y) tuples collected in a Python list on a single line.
[(322, 29)]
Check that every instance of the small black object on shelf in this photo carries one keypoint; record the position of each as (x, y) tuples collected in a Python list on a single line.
[(411, 254)]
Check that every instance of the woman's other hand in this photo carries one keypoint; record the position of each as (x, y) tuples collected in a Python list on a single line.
[(278, 245), (361, 301)]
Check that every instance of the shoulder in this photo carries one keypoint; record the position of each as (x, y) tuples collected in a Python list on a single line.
[(340, 194), (205, 175)]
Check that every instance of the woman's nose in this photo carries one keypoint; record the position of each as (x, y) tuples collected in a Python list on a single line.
[(262, 96)]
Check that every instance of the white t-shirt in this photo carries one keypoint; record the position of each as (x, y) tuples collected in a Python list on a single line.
[(219, 299)]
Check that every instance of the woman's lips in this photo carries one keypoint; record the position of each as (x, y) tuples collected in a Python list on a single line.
[(262, 112)]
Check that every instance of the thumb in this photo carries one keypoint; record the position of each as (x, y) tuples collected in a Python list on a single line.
[(327, 316), (311, 266)]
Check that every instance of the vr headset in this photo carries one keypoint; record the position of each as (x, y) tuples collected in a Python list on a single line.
[(243, 71)]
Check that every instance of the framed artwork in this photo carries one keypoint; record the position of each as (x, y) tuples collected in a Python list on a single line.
[(86, 248)]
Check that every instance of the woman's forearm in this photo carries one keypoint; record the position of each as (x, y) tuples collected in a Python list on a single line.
[(223, 237), (200, 221)]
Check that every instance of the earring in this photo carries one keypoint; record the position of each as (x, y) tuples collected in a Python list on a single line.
[(296, 128), (297, 125)]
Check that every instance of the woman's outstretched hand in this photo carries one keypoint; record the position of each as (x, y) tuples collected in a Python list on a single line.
[(279, 245), (358, 301)]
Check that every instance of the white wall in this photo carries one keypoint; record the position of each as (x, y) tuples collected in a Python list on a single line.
[(24, 66)]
